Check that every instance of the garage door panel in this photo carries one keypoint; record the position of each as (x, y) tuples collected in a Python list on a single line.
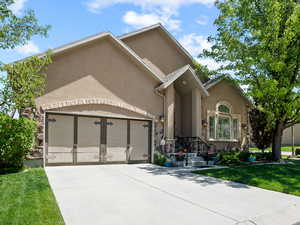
[(139, 141), (88, 147), (60, 158), (60, 139), (116, 141)]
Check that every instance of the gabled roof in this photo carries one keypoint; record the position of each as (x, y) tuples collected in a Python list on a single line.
[(160, 26), (211, 83), (123, 46), (172, 77)]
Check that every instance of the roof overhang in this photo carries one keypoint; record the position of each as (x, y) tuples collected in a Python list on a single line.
[(172, 77)]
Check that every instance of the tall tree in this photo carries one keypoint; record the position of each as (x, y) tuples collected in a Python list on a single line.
[(16, 30), (259, 40), (25, 81)]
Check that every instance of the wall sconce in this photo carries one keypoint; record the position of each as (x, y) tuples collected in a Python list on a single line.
[(204, 123), (161, 119)]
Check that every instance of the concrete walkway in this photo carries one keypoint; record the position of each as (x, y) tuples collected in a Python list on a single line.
[(151, 195)]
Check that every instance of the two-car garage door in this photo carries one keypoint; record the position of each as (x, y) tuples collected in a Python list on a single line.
[(72, 139)]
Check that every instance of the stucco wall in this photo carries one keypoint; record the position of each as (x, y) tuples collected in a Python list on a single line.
[(225, 91), (177, 114), (186, 115), (100, 70), (159, 49), (170, 111)]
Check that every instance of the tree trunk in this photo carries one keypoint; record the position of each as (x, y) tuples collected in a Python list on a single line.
[(276, 142)]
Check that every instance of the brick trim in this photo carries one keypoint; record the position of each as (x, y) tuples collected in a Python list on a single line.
[(96, 101)]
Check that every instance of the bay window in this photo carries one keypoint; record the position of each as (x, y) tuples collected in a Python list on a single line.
[(222, 124)]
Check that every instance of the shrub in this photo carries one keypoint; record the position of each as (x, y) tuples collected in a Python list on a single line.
[(244, 156), (229, 158), (159, 159), (263, 155), (17, 137)]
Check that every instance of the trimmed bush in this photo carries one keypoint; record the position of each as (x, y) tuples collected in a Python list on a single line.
[(229, 158), (159, 159), (17, 137)]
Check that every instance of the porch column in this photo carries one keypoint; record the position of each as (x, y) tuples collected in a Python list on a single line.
[(196, 113), (170, 111)]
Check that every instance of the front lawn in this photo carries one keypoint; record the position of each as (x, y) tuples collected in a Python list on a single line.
[(283, 148), (282, 178), (27, 199)]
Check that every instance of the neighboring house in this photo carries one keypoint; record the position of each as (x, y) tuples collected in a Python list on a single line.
[(291, 136), (113, 99)]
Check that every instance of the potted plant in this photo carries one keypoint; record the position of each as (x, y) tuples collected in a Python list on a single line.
[(252, 158), (168, 163)]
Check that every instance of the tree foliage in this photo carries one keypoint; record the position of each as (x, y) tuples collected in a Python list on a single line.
[(25, 81), (259, 40), (261, 131), (15, 30), (202, 71)]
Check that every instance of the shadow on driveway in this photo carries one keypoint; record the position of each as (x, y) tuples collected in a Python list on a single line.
[(186, 174)]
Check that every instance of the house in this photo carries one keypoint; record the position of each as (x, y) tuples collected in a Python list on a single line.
[(291, 136), (113, 99)]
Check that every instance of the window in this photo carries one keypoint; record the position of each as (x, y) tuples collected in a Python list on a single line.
[(212, 132), (222, 124), (223, 109), (235, 128), (223, 128)]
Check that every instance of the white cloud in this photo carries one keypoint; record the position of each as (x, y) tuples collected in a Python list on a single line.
[(138, 20), (152, 11), (210, 63), (96, 5), (202, 20), (195, 44), (17, 6), (29, 48)]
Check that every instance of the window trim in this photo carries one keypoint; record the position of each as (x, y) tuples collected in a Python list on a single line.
[(225, 104), (216, 115)]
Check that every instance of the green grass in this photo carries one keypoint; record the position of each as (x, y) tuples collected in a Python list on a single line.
[(283, 148), (282, 178), (27, 199)]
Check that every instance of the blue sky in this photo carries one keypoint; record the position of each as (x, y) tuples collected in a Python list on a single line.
[(190, 21)]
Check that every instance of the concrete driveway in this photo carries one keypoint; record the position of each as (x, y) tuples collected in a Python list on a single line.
[(150, 195)]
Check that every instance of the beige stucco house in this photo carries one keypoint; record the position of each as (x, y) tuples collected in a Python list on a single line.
[(114, 99)]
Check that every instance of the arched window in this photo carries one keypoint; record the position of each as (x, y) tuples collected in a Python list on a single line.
[(222, 124), (223, 108)]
